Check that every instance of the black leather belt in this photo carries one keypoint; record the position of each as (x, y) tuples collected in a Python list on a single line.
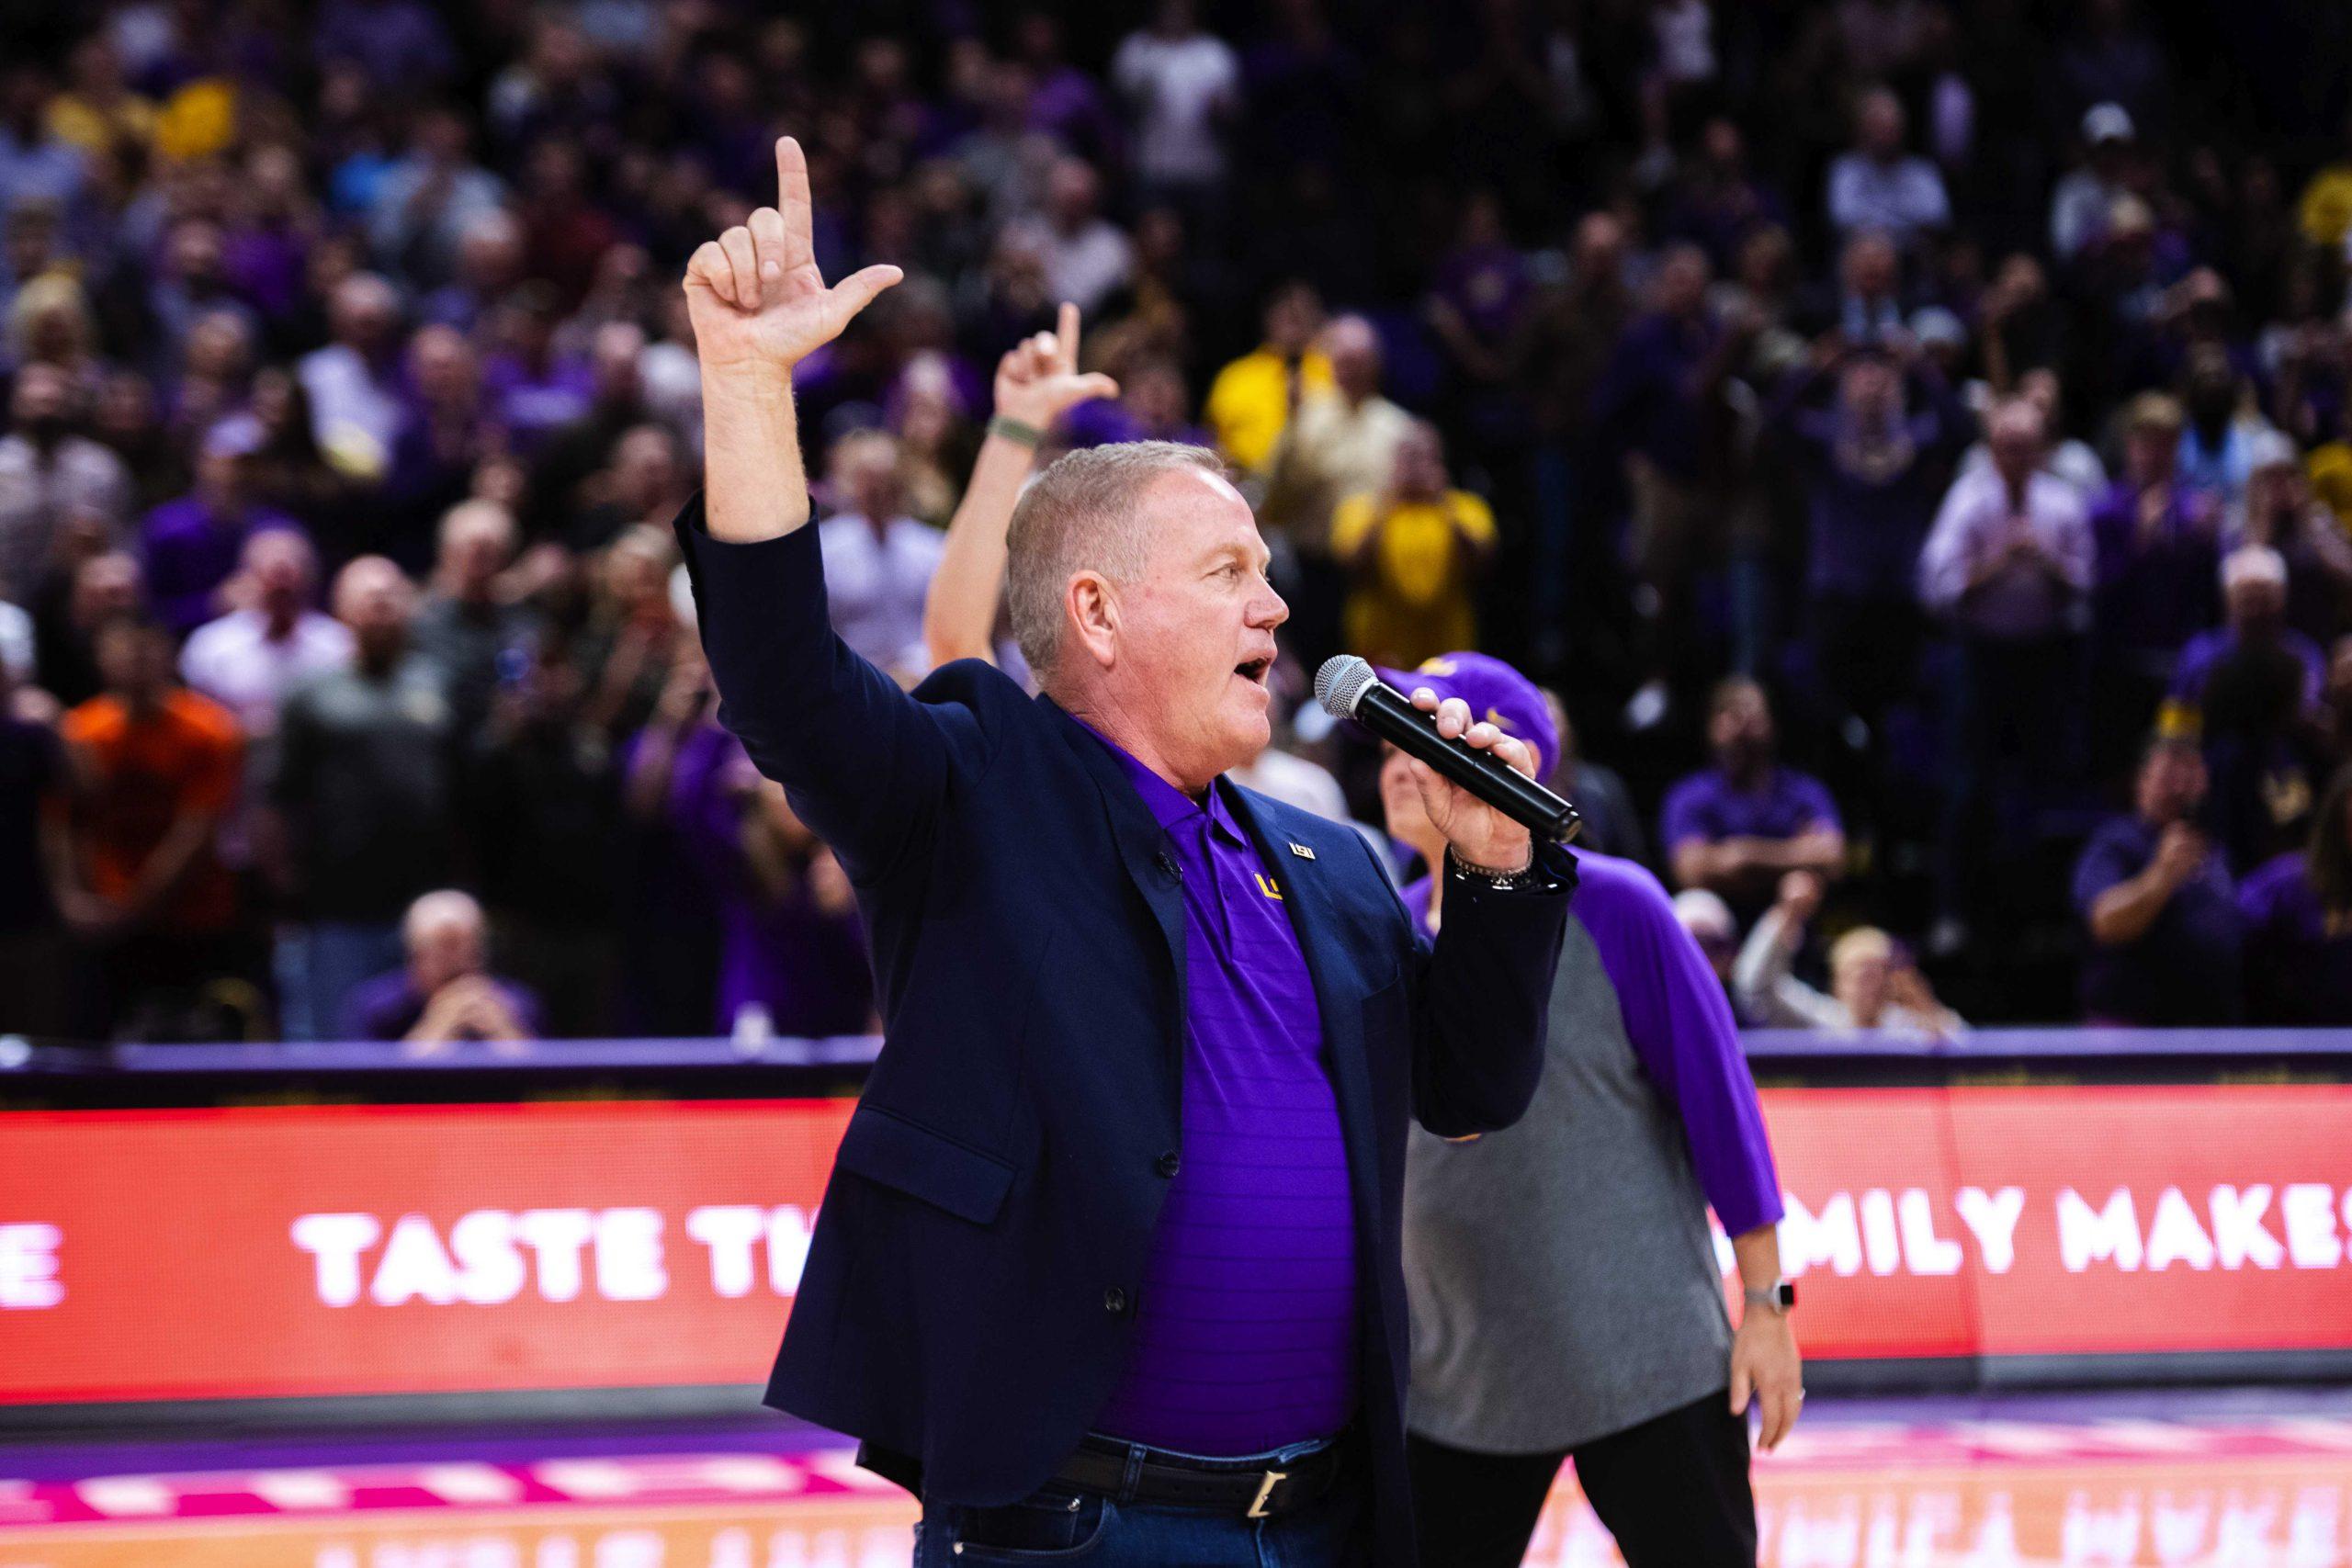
[(1256, 1489)]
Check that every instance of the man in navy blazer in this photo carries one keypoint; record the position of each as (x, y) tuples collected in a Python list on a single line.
[(1109, 1263)]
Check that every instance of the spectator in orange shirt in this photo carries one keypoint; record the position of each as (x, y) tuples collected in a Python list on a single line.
[(156, 767)]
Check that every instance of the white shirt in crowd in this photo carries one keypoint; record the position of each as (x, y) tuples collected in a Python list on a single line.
[(1086, 267), (1178, 86), (15, 642), (354, 415), (238, 664), (877, 584)]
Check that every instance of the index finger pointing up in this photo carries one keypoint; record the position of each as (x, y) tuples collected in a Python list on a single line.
[(1066, 340), (792, 200)]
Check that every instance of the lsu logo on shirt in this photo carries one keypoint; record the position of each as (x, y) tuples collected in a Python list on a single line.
[(1266, 885)]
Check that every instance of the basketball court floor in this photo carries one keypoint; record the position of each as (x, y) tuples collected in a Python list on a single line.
[(2253, 1479)]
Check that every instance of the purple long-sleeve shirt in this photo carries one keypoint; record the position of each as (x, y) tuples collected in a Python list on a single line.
[(1246, 1332), (1680, 1026)]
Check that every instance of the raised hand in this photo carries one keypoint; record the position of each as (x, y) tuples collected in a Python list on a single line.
[(1038, 378), (754, 294)]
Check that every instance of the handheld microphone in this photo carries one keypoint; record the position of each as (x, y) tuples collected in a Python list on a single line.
[(1348, 688)]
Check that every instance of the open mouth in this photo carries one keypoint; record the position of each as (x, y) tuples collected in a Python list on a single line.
[(1254, 669)]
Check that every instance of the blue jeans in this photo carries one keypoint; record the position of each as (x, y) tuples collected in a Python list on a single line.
[(1059, 1524)]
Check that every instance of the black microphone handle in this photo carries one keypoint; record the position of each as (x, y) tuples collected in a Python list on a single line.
[(1390, 714)]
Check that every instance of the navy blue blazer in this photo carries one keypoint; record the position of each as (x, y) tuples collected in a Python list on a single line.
[(973, 1282)]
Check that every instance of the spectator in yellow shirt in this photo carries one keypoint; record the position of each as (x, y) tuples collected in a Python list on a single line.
[(1414, 551), (2325, 211), (1252, 398)]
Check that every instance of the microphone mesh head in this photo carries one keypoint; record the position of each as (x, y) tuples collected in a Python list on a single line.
[(1342, 684)]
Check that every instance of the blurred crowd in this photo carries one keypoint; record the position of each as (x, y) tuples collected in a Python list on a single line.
[(1913, 439)]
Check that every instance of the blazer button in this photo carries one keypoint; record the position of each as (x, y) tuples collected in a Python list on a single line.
[(1170, 1164), (1115, 1302)]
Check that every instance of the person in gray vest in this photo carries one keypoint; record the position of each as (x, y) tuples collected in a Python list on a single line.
[(1566, 1296)]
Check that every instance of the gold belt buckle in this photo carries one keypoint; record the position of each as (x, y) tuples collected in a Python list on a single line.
[(1266, 1489)]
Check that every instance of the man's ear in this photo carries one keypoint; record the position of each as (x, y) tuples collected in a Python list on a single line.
[(1092, 605)]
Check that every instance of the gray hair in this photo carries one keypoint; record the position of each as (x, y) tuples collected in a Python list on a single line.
[(1079, 516)]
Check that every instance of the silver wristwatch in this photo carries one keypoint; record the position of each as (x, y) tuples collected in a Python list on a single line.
[(1777, 1298)]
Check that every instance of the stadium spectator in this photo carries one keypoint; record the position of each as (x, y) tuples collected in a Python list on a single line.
[(1866, 308), (446, 432), (2085, 194), (542, 804), (1086, 256), (1870, 463), (142, 883), (2008, 566), (1873, 984), (2281, 513), (1341, 441), (363, 800), (1181, 86), (1661, 403), (1738, 827), (2158, 548), (33, 956), (190, 548), (2253, 601), (2159, 904), (352, 381), (2216, 440), (878, 560), (49, 474), (1252, 398), (2254, 688), (2297, 911), (249, 659), (427, 200), (2064, 457), (792, 953), (100, 587), (468, 628), (444, 992), (1876, 184), (1413, 550)]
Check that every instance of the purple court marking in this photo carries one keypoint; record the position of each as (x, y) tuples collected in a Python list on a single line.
[(851, 1051), (500, 1444)]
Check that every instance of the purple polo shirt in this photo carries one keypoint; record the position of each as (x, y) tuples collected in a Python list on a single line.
[(1680, 1026), (1709, 806), (1245, 1336)]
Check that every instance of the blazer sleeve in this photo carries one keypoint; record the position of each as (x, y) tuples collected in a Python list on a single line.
[(1482, 998), (864, 764)]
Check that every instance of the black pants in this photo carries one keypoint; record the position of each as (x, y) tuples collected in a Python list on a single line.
[(1673, 1491)]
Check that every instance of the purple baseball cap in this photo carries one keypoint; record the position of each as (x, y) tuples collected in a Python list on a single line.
[(1496, 692)]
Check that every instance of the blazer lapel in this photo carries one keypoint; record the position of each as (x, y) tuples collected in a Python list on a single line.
[(1143, 851)]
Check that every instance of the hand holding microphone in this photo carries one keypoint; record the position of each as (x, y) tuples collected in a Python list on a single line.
[(1477, 781)]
